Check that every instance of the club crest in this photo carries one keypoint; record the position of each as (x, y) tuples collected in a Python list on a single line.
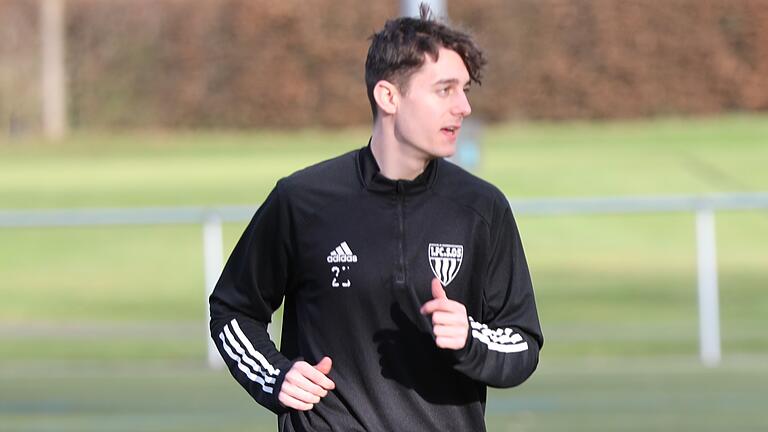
[(445, 260)]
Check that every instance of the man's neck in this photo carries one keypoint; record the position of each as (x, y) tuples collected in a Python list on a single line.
[(397, 161)]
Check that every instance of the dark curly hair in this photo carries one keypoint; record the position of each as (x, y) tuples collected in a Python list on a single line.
[(399, 49)]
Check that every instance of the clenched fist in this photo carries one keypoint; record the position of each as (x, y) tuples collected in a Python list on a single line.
[(305, 384), (449, 319)]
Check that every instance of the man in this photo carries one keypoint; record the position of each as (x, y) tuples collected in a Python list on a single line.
[(405, 284)]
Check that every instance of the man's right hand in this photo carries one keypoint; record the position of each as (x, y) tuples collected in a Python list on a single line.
[(305, 384)]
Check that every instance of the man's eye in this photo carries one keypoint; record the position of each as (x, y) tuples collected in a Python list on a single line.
[(444, 91)]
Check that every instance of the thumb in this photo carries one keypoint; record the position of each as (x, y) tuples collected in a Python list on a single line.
[(437, 289), (324, 365)]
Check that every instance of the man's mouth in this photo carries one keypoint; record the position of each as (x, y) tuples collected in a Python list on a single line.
[(451, 131)]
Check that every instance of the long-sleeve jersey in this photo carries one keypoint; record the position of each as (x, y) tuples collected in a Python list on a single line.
[(352, 255)]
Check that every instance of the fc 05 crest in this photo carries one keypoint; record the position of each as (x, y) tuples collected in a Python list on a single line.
[(445, 260)]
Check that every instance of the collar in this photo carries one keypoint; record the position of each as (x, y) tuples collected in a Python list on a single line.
[(371, 176)]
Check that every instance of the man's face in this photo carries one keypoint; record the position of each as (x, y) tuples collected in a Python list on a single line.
[(433, 105)]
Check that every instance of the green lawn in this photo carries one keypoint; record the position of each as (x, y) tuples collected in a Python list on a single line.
[(101, 328), (524, 160), (622, 394)]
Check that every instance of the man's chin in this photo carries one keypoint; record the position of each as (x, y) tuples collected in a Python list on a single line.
[(447, 152), (441, 150)]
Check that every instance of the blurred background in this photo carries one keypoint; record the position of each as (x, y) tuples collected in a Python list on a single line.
[(137, 136)]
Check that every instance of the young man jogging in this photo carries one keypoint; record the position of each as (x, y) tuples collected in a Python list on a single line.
[(404, 281)]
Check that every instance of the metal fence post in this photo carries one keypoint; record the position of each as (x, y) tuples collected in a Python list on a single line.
[(53, 91), (213, 264), (709, 309)]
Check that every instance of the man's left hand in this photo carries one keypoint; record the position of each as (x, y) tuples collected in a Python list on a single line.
[(449, 318)]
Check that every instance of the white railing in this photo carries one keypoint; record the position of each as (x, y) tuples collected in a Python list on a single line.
[(211, 218)]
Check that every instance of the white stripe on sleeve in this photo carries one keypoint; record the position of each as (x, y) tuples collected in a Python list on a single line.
[(251, 350), (502, 339), (244, 356), (247, 371)]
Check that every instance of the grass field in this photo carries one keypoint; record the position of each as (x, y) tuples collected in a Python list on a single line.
[(620, 394), (102, 328)]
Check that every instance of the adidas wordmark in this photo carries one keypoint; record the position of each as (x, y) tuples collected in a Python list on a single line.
[(342, 253)]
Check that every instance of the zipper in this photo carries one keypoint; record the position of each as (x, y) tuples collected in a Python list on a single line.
[(400, 273), (406, 295)]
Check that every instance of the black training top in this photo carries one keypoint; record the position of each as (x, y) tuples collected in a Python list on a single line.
[(352, 254)]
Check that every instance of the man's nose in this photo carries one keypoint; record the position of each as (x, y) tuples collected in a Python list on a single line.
[(461, 105)]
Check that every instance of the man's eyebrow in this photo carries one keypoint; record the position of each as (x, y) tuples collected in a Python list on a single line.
[(452, 81)]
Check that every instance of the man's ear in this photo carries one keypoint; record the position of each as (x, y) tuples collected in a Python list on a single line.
[(387, 96)]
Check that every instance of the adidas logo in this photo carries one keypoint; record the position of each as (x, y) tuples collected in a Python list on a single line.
[(342, 253)]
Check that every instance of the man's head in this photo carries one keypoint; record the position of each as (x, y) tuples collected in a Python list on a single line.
[(402, 47), (418, 72)]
